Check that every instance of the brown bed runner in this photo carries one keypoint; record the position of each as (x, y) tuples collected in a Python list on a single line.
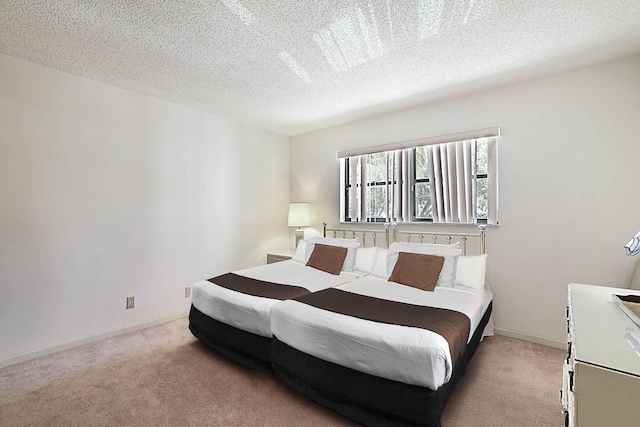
[(258, 288), (452, 325)]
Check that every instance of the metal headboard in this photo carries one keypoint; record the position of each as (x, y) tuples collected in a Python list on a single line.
[(448, 237), (353, 234), (392, 234)]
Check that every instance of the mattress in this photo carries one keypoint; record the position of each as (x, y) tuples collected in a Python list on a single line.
[(405, 354), (252, 313)]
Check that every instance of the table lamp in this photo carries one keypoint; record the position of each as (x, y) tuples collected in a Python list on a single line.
[(299, 217)]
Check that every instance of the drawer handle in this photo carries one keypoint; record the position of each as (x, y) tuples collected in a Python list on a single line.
[(570, 380), (568, 351)]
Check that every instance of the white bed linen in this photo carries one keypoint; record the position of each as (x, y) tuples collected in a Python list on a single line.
[(406, 354), (251, 313)]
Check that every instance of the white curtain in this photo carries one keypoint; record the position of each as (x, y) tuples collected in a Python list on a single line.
[(401, 187), (354, 195), (452, 179)]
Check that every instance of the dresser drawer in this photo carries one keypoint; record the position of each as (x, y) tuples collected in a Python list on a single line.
[(568, 413), (567, 396)]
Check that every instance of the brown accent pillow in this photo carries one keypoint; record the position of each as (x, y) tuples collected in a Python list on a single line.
[(327, 258), (417, 270)]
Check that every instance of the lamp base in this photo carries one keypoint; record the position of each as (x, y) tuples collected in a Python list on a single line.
[(299, 236)]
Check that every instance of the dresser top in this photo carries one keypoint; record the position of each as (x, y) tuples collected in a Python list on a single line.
[(600, 328)]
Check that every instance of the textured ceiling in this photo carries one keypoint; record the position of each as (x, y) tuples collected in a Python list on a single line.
[(298, 65)]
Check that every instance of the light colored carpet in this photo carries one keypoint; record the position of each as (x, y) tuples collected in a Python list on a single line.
[(162, 376)]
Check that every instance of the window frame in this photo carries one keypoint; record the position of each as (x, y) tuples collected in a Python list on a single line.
[(410, 193), (348, 186)]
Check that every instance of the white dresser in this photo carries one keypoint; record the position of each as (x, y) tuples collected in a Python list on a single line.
[(601, 375)]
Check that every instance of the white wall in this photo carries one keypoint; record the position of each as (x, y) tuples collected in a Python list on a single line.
[(568, 173), (106, 193)]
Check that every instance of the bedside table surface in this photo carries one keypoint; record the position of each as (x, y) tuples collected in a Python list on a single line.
[(279, 256), (282, 253)]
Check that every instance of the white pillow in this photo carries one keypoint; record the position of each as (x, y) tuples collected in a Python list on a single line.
[(366, 259), (449, 252), (380, 266), (350, 244), (301, 251), (471, 270)]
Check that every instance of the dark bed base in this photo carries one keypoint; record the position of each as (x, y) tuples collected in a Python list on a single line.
[(244, 347), (368, 399)]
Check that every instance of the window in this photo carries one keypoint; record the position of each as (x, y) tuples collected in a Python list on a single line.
[(482, 179), (421, 188), (377, 172), (453, 182)]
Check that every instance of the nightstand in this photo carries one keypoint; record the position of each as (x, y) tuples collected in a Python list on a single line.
[(279, 256)]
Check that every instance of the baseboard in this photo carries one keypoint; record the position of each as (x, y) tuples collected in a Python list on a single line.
[(22, 357), (28, 355), (531, 338)]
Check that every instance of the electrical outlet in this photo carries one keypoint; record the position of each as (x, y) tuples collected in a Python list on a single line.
[(130, 302), (187, 292)]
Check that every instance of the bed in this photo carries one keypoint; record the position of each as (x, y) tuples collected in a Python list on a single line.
[(231, 312), (381, 352)]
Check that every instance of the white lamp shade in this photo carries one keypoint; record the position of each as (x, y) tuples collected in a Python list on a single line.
[(299, 215)]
